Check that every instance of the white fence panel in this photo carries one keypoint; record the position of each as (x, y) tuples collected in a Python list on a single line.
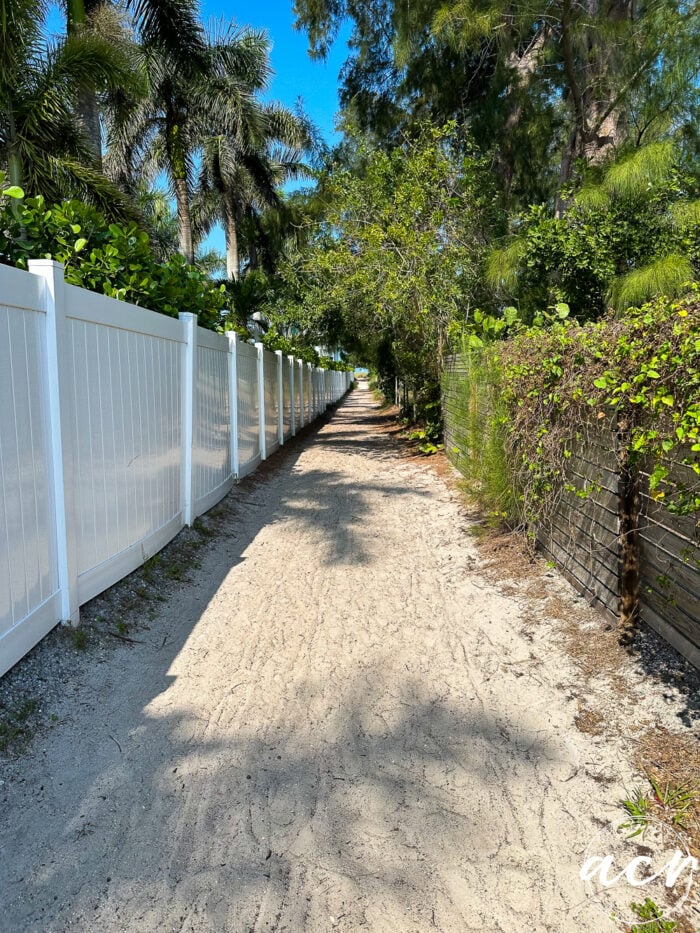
[(125, 389), (272, 408), (248, 409), (28, 570), (318, 391), (118, 425), (211, 456)]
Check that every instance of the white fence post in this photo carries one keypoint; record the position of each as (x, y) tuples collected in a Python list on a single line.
[(293, 422), (189, 376), (280, 397), (302, 413), (261, 395), (310, 384), (233, 397), (60, 449)]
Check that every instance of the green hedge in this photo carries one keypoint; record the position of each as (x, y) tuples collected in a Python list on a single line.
[(113, 259)]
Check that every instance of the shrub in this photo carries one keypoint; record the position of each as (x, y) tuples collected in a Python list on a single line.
[(114, 259), (539, 392)]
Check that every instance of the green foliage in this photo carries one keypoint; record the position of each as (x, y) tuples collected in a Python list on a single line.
[(480, 431), (675, 802), (43, 144), (549, 386), (431, 434), (9, 191), (114, 259), (395, 260), (668, 275), (272, 340), (652, 919), (638, 805), (631, 237), (545, 88)]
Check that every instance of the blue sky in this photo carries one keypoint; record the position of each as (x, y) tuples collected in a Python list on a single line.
[(295, 74)]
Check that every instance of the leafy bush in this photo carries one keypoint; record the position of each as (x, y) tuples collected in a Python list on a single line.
[(545, 388), (114, 259), (633, 236)]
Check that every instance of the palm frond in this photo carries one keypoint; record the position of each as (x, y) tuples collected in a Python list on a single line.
[(240, 53), (172, 26)]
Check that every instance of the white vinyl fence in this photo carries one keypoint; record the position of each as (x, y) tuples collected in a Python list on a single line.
[(117, 427)]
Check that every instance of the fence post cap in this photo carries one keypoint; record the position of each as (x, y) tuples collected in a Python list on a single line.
[(44, 264)]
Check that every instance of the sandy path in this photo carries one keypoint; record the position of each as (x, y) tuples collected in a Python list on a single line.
[(344, 730)]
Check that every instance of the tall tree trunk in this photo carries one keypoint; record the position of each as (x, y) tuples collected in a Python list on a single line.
[(184, 220), (76, 22), (15, 168), (523, 65), (231, 231), (253, 259), (178, 171), (90, 118), (589, 65), (14, 160)]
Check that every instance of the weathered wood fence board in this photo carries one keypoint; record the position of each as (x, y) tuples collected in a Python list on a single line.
[(669, 544), (582, 533)]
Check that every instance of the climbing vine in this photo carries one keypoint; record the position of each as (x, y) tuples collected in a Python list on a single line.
[(638, 375)]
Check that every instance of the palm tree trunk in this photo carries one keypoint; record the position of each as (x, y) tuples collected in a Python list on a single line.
[(15, 167), (232, 258), (76, 21), (253, 261), (178, 172), (184, 220), (90, 118)]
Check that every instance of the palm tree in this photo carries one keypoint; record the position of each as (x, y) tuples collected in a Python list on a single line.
[(42, 143), (164, 128), (241, 174), (171, 25)]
